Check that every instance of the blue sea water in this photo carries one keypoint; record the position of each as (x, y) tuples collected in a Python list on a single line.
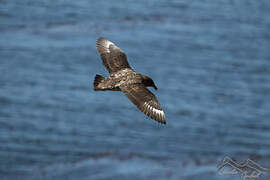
[(209, 59)]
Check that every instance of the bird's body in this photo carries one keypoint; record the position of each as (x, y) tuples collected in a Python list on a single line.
[(124, 78), (120, 78)]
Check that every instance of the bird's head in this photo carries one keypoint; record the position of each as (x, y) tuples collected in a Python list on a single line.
[(147, 81)]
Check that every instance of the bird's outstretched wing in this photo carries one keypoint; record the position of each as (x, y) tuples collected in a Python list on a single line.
[(113, 58), (145, 100)]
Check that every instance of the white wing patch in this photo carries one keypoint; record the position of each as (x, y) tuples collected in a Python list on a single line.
[(159, 114), (108, 43), (105, 44)]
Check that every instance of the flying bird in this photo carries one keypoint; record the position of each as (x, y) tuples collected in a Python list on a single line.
[(124, 78)]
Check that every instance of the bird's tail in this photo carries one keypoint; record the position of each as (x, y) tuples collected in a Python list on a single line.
[(97, 80)]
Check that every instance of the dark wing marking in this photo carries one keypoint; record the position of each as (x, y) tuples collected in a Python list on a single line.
[(145, 100), (112, 56)]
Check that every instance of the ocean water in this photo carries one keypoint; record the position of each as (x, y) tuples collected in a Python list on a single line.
[(209, 59)]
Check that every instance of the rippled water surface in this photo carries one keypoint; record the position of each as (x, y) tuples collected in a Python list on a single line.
[(209, 59)]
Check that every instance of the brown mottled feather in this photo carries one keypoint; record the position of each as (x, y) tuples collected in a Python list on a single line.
[(113, 58)]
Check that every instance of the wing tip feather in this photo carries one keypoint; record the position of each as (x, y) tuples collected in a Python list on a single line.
[(103, 45), (153, 113)]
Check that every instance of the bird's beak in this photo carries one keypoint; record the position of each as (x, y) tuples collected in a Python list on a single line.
[(155, 87)]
